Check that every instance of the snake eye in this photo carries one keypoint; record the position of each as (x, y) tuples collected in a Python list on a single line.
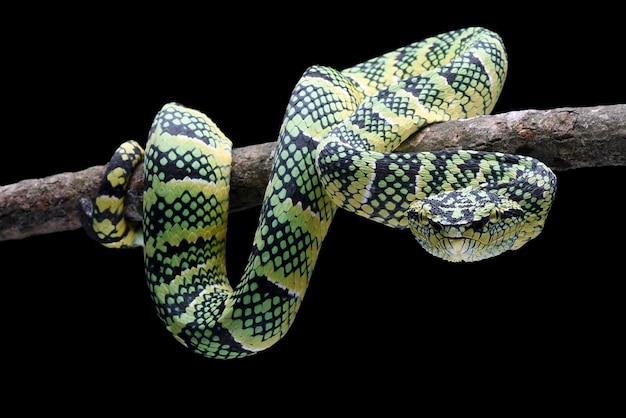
[(495, 215), (422, 217)]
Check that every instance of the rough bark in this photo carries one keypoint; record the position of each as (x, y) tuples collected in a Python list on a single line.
[(564, 139)]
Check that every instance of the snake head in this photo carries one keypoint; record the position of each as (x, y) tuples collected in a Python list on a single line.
[(466, 225)]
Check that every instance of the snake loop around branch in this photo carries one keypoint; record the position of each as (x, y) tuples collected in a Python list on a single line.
[(335, 150)]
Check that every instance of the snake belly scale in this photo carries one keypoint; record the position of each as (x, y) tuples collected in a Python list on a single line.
[(335, 149)]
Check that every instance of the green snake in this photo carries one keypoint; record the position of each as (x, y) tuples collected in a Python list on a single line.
[(335, 150)]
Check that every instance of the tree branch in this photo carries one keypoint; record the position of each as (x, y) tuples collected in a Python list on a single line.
[(564, 138)]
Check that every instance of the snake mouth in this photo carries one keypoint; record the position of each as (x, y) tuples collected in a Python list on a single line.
[(464, 249), (466, 246)]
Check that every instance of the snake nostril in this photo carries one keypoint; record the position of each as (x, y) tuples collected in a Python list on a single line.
[(435, 226), (480, 224)]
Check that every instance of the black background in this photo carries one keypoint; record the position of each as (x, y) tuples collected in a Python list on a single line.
[(380, 314)]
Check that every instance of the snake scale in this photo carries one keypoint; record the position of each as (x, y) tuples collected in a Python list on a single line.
[(335, 150)]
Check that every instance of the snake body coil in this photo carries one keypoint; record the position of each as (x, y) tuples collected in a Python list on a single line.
[(334, 150)]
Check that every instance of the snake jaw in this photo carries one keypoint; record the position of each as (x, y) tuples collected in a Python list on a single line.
[(466, 249)]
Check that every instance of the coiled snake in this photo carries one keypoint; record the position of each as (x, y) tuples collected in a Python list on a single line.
[(335, 149)]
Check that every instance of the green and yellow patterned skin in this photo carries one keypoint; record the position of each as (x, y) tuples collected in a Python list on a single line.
[(335, 149)]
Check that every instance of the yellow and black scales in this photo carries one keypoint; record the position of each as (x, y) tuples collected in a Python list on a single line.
[(334, 150)]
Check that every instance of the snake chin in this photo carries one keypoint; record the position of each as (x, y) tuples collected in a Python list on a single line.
[(465, 249)]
